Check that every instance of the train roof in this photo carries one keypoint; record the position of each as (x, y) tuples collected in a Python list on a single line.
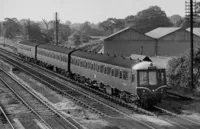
[(30, 42), (105, 58), (55, 48), (144, 65)]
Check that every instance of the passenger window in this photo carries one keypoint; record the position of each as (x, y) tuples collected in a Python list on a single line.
[(132, 77), (86, 64), (112, 72), (92, 66), (108, 70), (97, 68), (102, 68), (125, 75), (116, 72), (105, 70), (120, 75)]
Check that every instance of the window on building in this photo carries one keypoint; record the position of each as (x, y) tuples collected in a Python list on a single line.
[(116, 72), (125, 75)]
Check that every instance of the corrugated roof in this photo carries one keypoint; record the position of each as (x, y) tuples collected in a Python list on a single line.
[(162, 31), (196, 30), (125, 29), (117, 32)]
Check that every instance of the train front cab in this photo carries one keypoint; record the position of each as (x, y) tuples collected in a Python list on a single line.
[(151, 84)]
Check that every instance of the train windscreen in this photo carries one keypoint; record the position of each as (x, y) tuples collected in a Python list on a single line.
[(156, 77)]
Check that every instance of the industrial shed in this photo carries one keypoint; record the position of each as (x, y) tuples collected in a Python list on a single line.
[(172, 41), (129, 41)]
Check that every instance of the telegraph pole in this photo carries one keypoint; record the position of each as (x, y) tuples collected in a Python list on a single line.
[(191, 44), (56, 28), (191, 10)]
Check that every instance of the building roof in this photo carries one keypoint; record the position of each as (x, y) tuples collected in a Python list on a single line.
[(196, 31), (101, 50), (161, 32), (123, 30)]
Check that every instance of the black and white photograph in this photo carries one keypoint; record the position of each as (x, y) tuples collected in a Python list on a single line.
[(100, 64)]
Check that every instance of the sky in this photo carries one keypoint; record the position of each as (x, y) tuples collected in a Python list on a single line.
[(79, 11)]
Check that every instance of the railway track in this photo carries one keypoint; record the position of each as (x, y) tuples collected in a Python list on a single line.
[(50, 117), (170, 118), (5, 122)]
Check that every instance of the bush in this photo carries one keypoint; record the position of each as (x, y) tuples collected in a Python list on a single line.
[(179, 70)]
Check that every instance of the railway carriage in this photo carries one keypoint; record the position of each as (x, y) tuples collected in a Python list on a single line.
[(113, 72), (26, 49), (53, 56), (129, 79)]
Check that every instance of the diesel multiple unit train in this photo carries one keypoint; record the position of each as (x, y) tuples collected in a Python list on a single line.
[(127, 78)]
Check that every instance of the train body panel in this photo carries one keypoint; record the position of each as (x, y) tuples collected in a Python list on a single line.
[(122, 84), (54, 58)]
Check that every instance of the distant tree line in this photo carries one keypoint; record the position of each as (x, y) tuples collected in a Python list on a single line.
[(77, 33)]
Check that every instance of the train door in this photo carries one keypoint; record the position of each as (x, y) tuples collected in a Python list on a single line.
[(134, 82)]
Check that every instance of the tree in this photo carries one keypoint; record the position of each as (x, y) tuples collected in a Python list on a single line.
[(11, 28), (150, 19), (179, 71), (49, 30), (35, 32), (112, 25), (176, 20), (75, 38), (64, 32), (85, 28), (129, 20)]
